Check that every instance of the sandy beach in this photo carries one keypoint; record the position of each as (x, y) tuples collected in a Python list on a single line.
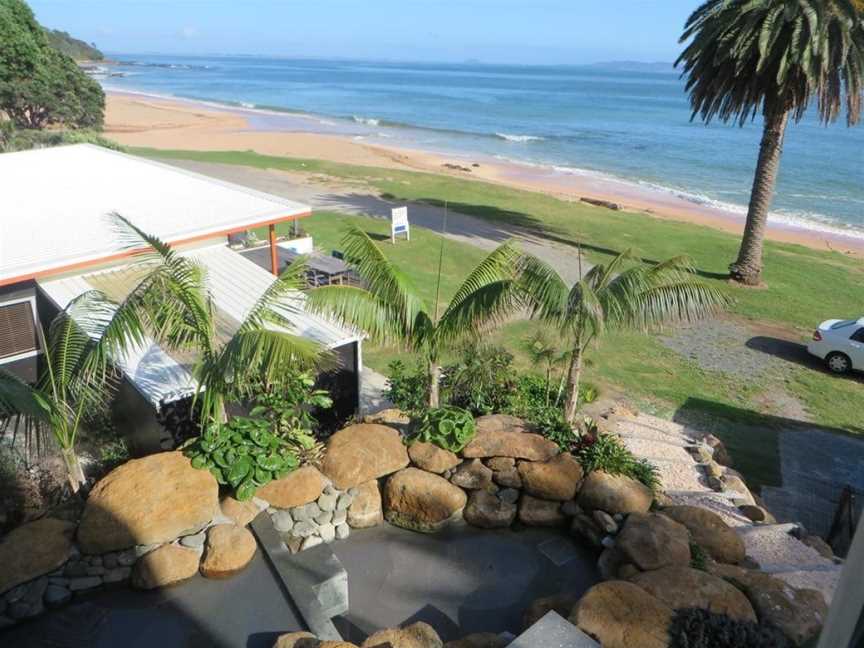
[(141, 120)]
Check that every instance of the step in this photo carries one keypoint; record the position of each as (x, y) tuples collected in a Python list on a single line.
[(314, 579), (553, 631), (672, 442)]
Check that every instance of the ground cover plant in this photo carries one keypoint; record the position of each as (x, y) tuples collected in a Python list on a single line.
[(450, 428), (606, 452)]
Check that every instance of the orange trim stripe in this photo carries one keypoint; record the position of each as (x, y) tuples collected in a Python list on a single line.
[(129, 253)]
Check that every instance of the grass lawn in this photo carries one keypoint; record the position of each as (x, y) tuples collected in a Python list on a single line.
[(805, 286)]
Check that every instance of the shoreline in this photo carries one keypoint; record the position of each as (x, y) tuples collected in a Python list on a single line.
[(141, 119)]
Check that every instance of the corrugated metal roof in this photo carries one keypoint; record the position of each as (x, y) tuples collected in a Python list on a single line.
[(55, 205), (235, 284)]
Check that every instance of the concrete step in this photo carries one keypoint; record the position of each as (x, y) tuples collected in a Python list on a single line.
[(553, 631)]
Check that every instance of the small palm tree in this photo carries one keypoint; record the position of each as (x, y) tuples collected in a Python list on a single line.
[(77, 374), (390, 310), (182, 317), (610, 297), (772, 56)]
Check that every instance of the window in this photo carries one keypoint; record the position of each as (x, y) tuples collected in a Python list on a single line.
[(858, 336), (18, 335)]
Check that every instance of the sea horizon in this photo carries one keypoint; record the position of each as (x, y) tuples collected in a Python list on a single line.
[(607, 120)]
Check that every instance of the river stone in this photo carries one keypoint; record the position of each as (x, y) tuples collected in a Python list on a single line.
[(683, 587), (556, 479), (538, 512), (623, 615), (297, 488), (362, 452), (651, 541), (34, 549), (709, 531), (472, 475), (428, 456), (488, 511), (365, 511), (798, 613), (327, 501), (241, 513), (229, 549), (416, 635), (55, 595), (148, 501), (164, 566), (614, 494), (421, 501), (499, 435)]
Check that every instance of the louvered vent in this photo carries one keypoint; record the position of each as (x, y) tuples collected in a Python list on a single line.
[(17, 329)]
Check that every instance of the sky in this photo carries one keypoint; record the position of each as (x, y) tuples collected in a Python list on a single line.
[(493, 31)]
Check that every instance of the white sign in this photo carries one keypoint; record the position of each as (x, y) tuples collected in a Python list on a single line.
[(399, 223)]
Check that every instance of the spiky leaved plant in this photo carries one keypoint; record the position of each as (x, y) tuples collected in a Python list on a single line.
[(772, 56)]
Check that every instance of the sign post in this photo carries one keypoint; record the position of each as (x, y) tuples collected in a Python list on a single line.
[(399, 224)]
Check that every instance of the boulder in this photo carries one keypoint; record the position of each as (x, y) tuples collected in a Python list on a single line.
[(421, 501), (362, 452), (147, 501), (499, 435), (586, 528), (683, 587), (614, 494), (556, 479), (34, 549), (428, 456), (651, 541), (538, 512), (228, 550), (755, 513), (819, 545), (719, 452), (392, 417), (297, 640), (507, 478), (365, 511), (472, 474), (165, 566), (297, 488), (479, 640), (623, 615), (416, 635), (242, 513), (559, 603), (735, 484), (709, 531), (798, 613), (501, 463), (487, 511)]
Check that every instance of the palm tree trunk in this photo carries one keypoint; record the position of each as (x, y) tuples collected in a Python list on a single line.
[(434, 383), (75, 473), (574, 376), (748, 268)]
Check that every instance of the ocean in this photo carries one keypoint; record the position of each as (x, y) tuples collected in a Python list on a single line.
[(630, 122)]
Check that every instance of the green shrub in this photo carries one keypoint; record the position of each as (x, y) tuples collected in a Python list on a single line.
[(606, 452), (482, 381), (451, 428), (243, 453), (530, 401), (697, 628), (25, 139), (407, 388), (698, 557)]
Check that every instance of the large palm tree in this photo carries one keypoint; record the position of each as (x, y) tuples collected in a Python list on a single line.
[(773, 57), (612, 296), (389, 309)]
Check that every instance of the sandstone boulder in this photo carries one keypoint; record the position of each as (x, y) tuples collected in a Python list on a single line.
[(709, 531), (34, 549), (562, 604), (421, 501), (228, 550), (614, 494), (478, 640), (487, 511), (586, 528), (365, 510), (683, 587), (297, 488), (472, 474), (651, 541), (734, 483), (147, 501), (362, 452), (623, 615), (798, 613), (499, 435), (719, 452), (556, 479), (538, 512), (166, 565), (242, 513), (297, 640), (416, 635), (429, 457), (392, 417)]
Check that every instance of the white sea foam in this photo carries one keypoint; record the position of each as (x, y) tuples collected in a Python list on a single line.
[(368, 121), (519, 138), (248, 105)]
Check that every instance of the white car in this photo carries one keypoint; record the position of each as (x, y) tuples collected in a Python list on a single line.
[(840, 343)]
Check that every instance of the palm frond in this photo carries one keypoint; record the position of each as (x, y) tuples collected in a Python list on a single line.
[(487, 304), (17, 398), (282, 299), (543, 290), (358, 308)]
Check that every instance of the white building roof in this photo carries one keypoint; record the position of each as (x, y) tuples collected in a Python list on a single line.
[(55, 205), (235, 284)]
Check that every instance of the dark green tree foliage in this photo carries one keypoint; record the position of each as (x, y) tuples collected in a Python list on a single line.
[(696, 628), (70, 46), (39, 86)]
